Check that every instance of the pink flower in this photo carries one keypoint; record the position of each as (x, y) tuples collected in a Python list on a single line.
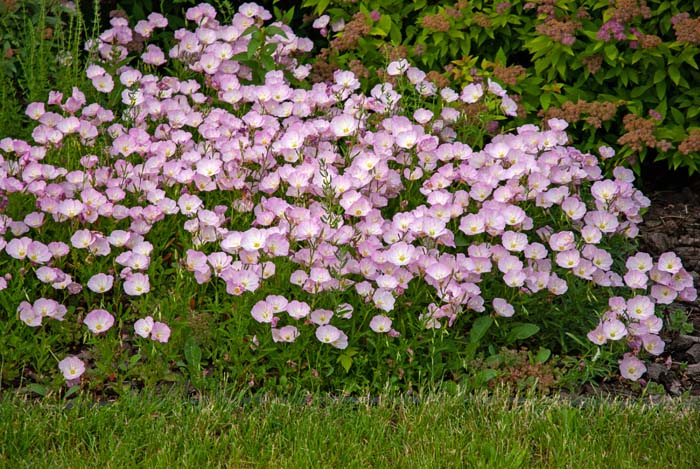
[(98, 321), (631, 367), (100, 283), (160, 332), (383, 299), (28, 315), (143, 327), (71, 367), (103, 83), (137, 284), (472, 93), (640, 307), (343, 125), (653, 344), (262, 312), (380, 324), (327, 334), (669, 262), (597, 335), (285, 334), (503, 308), (614, 329), (18, 247), (298, 309)]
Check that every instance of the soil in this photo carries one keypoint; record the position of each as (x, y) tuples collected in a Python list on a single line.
[(673, 224)]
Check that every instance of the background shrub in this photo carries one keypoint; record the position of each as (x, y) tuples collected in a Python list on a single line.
[(623, 71)]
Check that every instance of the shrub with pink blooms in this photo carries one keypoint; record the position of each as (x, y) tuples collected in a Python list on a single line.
[(233, 220)]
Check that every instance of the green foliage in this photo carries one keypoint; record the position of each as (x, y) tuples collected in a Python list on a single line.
[(678, 322), (41, 50), (590, 62)]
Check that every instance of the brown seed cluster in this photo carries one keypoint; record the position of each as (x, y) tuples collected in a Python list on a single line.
[(687, 29), (480, 19), (354, 30), (649, 41), (357, 67), (593, 63), (437, 22), (393, 52), (438, 79), (691, 143), (509, 75), (625, 11), (322, 69), (594, 113), (640, 132), (563, 31)]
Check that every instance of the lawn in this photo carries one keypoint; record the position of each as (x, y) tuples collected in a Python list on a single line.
[(433, 430)]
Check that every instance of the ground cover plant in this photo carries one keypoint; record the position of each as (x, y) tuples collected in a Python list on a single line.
[(211, 214), (622, 72)]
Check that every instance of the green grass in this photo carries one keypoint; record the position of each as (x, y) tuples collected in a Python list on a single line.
[(439, 431)]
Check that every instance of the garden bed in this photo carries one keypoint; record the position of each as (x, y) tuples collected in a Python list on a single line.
[(673, 223)]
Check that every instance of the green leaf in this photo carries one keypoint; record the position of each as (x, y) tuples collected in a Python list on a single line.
[(522, 332), (134, 359), (249, 30), (610, 52), (321, 6), (193, 354), (72, 390), (345, 361), (384, 23), (639, 91), (674, 73), (479, 329), (661, 90), (678, 116), (545, 100), (501, 58), (269, 49), (275, 30), (484, 376), (38, 389), (542, 355), (395, 34)]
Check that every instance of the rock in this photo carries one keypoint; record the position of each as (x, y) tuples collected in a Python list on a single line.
[(658, 242), (675, 388), (657, 372), (693, 372), (683, 342), (693, 354)]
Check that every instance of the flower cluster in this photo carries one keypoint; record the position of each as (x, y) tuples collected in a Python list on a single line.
[(363, 194)]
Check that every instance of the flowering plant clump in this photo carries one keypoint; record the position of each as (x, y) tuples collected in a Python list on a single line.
[(318, 218)]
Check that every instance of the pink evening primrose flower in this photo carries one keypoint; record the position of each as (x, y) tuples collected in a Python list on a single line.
[(99, 321), (160, 332), (137, 284), (143, 327), (380, 324), (71, 367), (503, 308), (631, 367), (100, 283), (327, 334)]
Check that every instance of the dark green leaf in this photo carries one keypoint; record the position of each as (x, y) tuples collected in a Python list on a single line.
[(522, 332), (674, 73), (274, 30), (479, 328)]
